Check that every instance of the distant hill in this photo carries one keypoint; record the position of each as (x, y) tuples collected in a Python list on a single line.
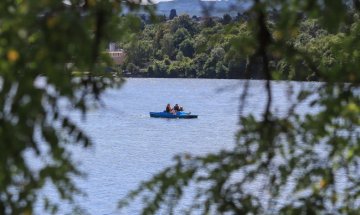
[(196, 7)]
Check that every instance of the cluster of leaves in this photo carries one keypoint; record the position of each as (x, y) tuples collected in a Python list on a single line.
[(187, 47), (219, 48), (299, 162), (43, 45)]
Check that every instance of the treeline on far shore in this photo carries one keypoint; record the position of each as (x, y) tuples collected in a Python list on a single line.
[(192, 47)]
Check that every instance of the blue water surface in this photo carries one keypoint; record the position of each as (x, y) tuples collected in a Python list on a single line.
[(130, 146)]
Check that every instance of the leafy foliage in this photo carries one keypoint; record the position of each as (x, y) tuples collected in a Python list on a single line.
[(184, 36), (52, 58), (193, 37)]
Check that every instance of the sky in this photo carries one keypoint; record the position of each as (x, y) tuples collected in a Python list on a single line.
[(157, 1), (200, 0)]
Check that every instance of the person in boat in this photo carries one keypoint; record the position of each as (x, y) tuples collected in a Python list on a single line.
[(176, 108), (169, 109)]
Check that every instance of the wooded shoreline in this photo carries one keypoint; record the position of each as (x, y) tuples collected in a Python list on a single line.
[(219, 48)]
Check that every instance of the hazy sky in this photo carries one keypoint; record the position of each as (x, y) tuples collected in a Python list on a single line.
[(144, 1), (157, 1)]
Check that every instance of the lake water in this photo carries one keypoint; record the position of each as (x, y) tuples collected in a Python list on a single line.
[(130, 146)]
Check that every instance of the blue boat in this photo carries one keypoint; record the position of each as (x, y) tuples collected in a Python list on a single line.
[(177, 115)]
